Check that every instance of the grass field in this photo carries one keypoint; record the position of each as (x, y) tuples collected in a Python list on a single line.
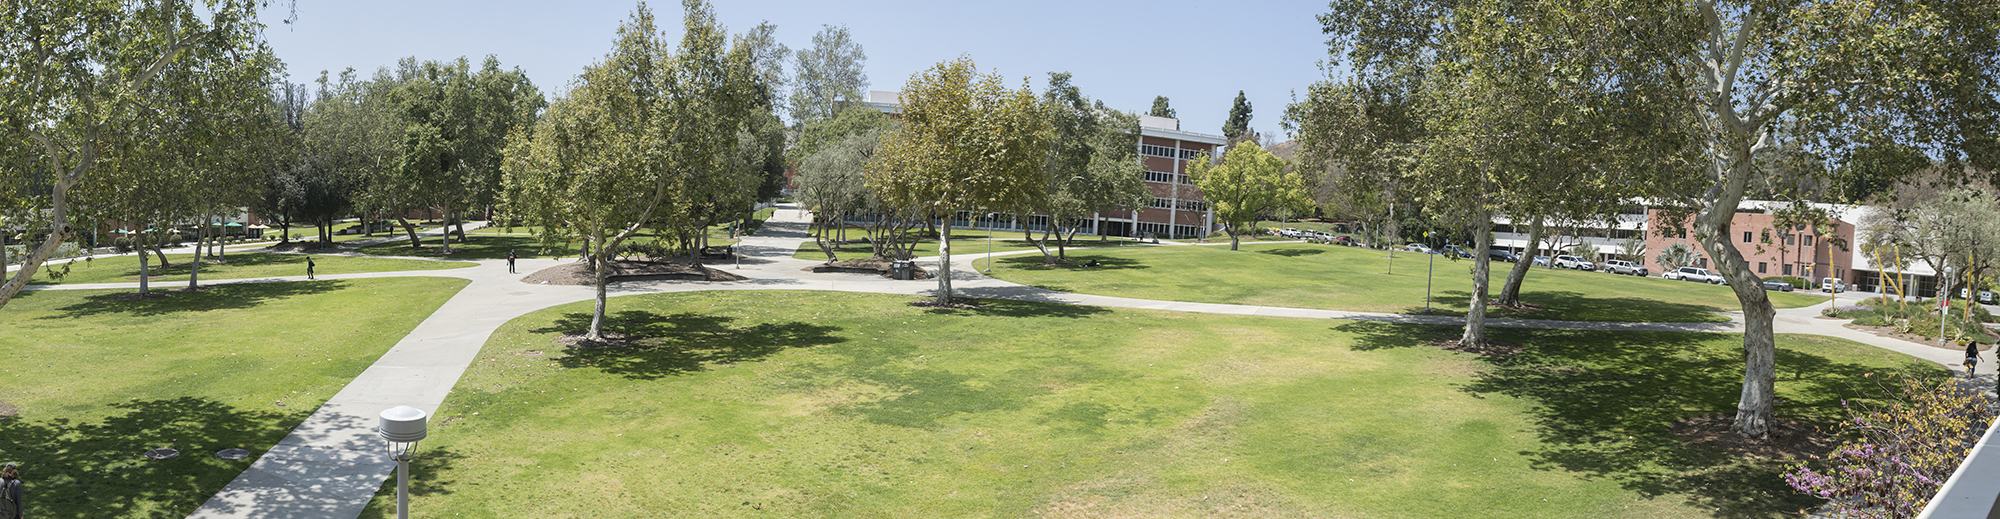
[(963, 242), (813, 404), (97, 380), (1350, 278), (242, 265)]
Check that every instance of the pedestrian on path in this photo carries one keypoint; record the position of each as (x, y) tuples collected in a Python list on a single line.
[(510, 262), (1971, 357), (10, 492), (309, 267)]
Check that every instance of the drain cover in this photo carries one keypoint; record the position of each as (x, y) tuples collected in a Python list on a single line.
[(162, 453), (232, 454)]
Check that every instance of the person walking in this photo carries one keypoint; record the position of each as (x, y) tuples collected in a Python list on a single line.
[(1971, 357), (510, 262), (309, 267), (10, 492)]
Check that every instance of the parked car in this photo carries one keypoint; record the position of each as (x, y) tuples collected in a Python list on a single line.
[(1455, 250), (1344, 240), (1418, 247), (1540, 261), (1501, 255), (1781, 286), (1625, 267), (1694, 274), (1573, 262), (1986, 297), (1830, 284)]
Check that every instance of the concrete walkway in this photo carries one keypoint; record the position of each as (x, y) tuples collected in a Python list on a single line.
[(331, 465)]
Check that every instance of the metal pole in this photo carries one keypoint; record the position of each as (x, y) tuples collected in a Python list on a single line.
[(989, 242), (1427, 282), (403, 486), (1944, 304)]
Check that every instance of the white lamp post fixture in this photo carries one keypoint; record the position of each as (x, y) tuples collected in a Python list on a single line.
[(1944, 304), (403, 426), (989, 242)]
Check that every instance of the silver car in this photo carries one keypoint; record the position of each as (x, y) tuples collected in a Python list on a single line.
[(1694, 274)]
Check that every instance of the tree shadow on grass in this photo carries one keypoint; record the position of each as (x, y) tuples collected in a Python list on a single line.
[(1076, 262), (1020, 303), (1604, 403), (90, 469), (1291, 252), (429, 469), (1377, 335), (669, 345), (215, 297), (1575, 306)]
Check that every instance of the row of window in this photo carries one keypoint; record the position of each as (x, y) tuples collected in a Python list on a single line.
[(1172, 232), (1184, 205), (1168, 152), (1168, 178), (1804, 239)]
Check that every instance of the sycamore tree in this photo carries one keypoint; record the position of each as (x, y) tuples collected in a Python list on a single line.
[(1249, 183), (79, 71), (1093, 165), (629, 142), (829, 77), (966, 142), (349, 142), (832, 156), (1915, 72)]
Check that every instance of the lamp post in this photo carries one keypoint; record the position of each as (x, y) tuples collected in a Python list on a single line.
[(1427, 275), (989, 242), (402, 427)]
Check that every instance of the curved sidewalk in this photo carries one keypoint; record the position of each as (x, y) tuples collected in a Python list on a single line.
[(332, 464)]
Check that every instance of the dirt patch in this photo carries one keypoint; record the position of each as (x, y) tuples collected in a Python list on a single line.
[(1890, 332), (1492, 347), (611, 340), (1788, 438), (579, 273), (872, 265), (8, 410), (957, 303)]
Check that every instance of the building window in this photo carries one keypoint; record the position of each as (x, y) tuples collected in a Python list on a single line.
[(1703, 262), (1760, 267), (1788, 239), (1788, 269), (1808, 240), (1190, 154), (1746, 236), (1159, 176), (1187, 180), (1192, 205), (1157, 151), (1163, 203)]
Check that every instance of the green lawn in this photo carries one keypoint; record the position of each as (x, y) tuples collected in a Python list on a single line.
[(963, 242), (814, 404), (1351, 278), (242, 265), (476, 247), (98, 380)]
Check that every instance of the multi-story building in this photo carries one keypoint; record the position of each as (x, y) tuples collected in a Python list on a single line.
[(1177, 212)]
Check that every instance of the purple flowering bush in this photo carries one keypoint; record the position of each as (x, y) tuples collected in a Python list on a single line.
[(1897, 455)]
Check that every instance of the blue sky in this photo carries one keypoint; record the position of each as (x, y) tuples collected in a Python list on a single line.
[(1198, 54)]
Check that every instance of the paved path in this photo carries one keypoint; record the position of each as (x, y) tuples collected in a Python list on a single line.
[(331, 465)]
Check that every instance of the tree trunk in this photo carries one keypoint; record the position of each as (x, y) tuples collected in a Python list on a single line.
[(447, 231), (1042, 245), (599, 269), (1755, 406), (944, 264), (159, 248), (1475, 313), (1233, 240), (411, 230), (143, 273), (1510, 294)]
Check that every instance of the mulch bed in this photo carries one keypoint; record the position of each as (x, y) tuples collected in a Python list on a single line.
[(874, 265), (1890, 332), (1492, 348), (1787, 439), (579, 273)]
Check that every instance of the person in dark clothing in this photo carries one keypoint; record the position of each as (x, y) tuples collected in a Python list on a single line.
[(1971, 357), (10, 492), (510, 262), (309, 267)]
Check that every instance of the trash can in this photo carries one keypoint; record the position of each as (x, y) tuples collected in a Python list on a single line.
[(903, 269)]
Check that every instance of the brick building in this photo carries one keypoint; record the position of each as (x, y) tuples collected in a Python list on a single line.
[(1772, 251)]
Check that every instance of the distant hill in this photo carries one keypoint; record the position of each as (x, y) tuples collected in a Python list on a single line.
[(1287, 150)]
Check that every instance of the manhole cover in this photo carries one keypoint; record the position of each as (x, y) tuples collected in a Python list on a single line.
[(232, 454), (162, 453)]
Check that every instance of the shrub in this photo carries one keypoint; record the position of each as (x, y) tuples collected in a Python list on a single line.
[(1896, 456), (1797, 282)]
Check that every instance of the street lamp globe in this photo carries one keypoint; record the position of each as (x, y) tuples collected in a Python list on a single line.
[(402, 427)]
